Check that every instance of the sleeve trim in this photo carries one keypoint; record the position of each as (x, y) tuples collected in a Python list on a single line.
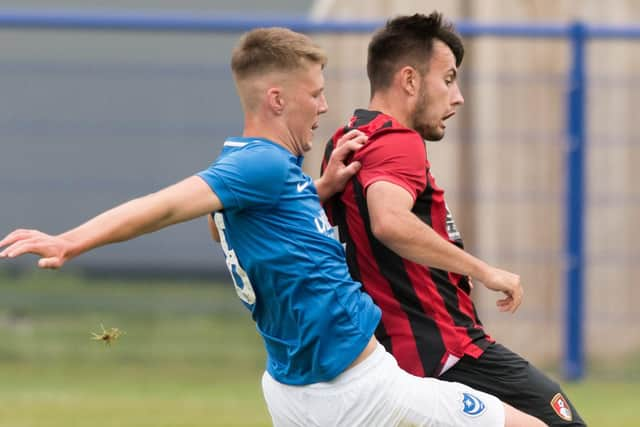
[(391, 180), (222, 193)]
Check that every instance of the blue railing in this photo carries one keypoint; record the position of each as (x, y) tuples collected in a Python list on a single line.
[(179, 22), (203, 22), (576, 33)]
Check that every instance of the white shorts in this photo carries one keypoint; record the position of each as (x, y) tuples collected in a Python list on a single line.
[(376, 392)]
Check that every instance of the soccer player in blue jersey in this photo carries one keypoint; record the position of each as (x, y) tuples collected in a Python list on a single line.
[(324, 366)]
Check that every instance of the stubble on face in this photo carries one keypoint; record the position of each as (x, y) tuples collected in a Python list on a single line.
[(438, 95), (428, 131)]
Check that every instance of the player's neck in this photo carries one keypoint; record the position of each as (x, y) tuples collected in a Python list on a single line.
[(270, 130), (392, 106)]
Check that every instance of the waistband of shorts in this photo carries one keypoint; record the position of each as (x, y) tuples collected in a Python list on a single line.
[(354, 373)]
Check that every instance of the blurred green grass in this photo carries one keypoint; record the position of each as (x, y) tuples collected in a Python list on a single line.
[(190, 357)]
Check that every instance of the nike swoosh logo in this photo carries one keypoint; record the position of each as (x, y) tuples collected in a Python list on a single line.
[(302, 185)]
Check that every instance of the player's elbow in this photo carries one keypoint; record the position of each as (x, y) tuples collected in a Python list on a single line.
[(383, 228), (394, 228)]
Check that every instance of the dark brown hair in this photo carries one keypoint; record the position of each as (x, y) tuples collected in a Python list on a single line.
[(408, 40)]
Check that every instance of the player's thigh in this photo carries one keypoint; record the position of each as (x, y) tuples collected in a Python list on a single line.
[(511, 378), (443, 403), (362, 402), (285, 411), (547, 401)]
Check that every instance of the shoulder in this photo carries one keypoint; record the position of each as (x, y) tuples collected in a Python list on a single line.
[(396, 142), (399, 135), (259, 161), (247, 175)]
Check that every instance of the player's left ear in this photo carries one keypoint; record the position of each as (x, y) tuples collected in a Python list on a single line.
[(275, 100), (409, 80)]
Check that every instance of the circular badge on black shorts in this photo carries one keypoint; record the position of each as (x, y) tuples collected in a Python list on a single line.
[(561, 407)]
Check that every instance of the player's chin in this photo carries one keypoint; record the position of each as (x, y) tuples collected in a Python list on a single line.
[(308, 143), (308, 147), (438, 132), (432, 133)]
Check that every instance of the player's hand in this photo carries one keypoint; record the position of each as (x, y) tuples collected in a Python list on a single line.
[(53, 250), (507, 283), (339, 168)]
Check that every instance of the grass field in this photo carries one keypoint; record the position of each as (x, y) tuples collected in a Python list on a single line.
[(190, 357)]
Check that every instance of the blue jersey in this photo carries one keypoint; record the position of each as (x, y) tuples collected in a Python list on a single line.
[(286, 265)]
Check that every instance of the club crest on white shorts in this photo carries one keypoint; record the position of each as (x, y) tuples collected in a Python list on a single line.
[(472, 405)]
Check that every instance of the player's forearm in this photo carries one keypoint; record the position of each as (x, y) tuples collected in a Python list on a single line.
[(124, 222), (188, 199), (410, 238)]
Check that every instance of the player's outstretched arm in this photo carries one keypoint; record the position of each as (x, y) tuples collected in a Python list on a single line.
[(180, 202), (393, 223), (339, 170)]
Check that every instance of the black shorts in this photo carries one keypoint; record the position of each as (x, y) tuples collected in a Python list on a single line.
[(512, 379)]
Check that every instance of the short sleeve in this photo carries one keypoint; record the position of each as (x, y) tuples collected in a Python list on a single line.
[(396, 157), (247, 178)]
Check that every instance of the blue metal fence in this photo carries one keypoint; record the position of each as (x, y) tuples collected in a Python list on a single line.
[(577, 34)]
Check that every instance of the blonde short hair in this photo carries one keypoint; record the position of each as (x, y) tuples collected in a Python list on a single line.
[(265, 50)]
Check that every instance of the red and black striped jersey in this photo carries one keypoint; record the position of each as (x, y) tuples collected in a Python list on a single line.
[(428, 318)]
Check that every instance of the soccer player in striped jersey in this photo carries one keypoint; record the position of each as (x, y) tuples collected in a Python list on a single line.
[(401, 240), (324, 366)]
